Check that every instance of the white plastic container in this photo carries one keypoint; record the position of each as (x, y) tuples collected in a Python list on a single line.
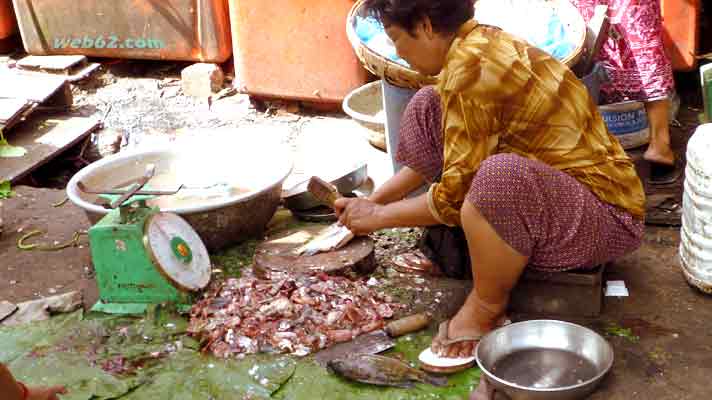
[(696, 231)]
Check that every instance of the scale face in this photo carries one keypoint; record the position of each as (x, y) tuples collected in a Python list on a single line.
[(177, 251)]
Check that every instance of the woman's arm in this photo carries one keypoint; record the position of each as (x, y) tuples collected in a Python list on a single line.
[(9, 388), (398, 186)]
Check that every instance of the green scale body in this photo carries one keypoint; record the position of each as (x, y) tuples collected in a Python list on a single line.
[(127, 273)]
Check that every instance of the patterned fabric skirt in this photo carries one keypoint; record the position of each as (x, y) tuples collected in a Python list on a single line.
[(638, 65), (541, 212)]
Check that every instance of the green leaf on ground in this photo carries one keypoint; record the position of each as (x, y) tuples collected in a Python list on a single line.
[(5, 190), (19, 340), (333, 387), (234, 259), (188, 375), (615, 330), (9, 151), (82, 380), (100, 356)]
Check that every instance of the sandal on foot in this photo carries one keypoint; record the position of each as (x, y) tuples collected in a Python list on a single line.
[(664, 174), (444, 340)]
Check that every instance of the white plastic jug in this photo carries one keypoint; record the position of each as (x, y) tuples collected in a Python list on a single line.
[(696, 232)]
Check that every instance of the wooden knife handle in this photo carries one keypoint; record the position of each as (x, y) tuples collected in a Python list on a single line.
[(324, 191), (409, 324)]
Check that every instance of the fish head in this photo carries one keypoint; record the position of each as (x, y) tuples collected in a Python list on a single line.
[(337, 366)]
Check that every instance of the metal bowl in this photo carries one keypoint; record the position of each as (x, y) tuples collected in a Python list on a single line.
[(544, 360), (257, 168), (298, 197)]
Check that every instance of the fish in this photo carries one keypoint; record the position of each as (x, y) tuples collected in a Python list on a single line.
[(334, 237), (382, 371)]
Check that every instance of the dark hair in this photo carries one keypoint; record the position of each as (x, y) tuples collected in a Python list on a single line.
[(446, 16)]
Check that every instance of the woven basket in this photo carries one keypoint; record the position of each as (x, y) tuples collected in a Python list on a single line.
[(392, 72), (401, 76)]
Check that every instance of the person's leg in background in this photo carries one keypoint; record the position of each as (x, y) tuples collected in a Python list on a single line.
[(659, 149)]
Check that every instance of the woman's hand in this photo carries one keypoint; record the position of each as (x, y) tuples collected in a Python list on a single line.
[(361, 216)]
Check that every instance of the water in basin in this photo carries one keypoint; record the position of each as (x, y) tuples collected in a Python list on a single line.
[(195, 192), (544, 368)]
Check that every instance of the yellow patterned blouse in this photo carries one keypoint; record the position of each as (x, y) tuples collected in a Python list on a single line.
[(501, 95)]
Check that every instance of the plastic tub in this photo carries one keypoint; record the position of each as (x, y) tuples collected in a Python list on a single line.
[(365, 106), (628, 122), (295, 49), (681, 32), (7, 19), (188, 30)]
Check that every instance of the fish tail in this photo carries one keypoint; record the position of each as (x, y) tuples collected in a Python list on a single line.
[(435, 380)]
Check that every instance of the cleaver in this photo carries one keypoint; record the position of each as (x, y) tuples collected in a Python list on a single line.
[(374, 342)]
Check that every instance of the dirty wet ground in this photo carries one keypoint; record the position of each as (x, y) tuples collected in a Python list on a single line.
[(661, 334)]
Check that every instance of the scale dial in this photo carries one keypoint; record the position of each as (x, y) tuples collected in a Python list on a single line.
[(177, 251)]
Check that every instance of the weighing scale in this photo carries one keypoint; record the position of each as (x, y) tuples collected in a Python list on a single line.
[(143, 256)]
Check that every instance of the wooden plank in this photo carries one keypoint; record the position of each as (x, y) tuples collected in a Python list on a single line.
[(11, 109), (44, 139), (52, 63), (7, 309), (84, 72), (32, 86), (588, 278), (576, 294)]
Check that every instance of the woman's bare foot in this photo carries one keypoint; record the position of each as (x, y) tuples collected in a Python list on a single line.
[(663, 155)]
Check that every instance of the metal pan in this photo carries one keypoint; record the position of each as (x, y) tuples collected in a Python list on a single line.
[(298, 198), (326, 214)]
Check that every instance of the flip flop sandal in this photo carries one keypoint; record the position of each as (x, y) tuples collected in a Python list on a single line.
[(664, 174), (667, 212), (445, 341)]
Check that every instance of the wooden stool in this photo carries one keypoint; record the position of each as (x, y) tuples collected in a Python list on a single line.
[(572, 293)]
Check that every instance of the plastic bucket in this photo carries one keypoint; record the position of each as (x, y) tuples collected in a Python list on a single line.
[(395, 99), (628, 122), (365, 106)]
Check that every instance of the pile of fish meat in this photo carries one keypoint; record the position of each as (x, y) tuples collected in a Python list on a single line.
[(295, 315)]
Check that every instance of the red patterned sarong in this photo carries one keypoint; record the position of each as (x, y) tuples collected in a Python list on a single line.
[(541, 212), (639, 67)]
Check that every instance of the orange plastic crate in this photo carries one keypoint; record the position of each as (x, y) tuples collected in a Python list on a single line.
[(189, 30), (681, 31), (294, 49), (7, 19)]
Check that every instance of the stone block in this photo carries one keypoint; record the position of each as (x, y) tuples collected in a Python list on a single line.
[(202, 80), (566, 294)]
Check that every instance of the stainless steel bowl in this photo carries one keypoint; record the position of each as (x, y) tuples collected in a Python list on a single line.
[(298, 198), (544, 360), (221, 221)]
